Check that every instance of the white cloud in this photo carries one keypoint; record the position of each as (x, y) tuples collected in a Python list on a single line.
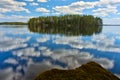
[(27, 52), (102, 43), (105, 11), (42, 48), (106, 7), (11, 61), (103, 40), (57, 54), (29, 0), (42, 0), (14, 40), (74, 42), (34, 44), (2, 33), (15, 18), (45, 51), (44, 10), (6, 46), (34, 4), (108, 2), (7, 74), (66, 40), (43, 39), (55, 13), (104, 62), (19, 31), (75, 7), (35, 68), (1, 15), (18, 76), (19, 17), (19, 68), (82, 5), (65, 10), (12, 5), (101, 8), (8, 43), (74, 58)]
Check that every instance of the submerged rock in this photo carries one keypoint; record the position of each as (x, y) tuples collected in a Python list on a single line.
[(89, 71)]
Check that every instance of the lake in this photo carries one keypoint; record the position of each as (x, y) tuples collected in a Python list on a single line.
[(24, 54)]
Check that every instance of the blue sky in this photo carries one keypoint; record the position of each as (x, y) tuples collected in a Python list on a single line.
[(22, 10)]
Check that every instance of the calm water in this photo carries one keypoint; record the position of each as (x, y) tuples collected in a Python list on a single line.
[(24, 54)]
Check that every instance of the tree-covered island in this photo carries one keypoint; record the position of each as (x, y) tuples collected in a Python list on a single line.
[(66, 24)]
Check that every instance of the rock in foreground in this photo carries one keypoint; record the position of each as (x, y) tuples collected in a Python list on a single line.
[(89, 71)]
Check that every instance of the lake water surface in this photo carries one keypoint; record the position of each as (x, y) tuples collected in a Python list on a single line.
[(24, 54)]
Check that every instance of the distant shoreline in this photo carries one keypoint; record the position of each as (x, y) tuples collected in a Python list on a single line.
[(23, 23), (111, 24), (27, 24), (13, 23)]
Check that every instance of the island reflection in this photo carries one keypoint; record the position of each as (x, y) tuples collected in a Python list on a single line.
[(84, 31)]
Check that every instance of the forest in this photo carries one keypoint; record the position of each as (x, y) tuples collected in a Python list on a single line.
[(66, 24)]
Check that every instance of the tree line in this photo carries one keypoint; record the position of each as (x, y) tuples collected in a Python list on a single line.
[(13, 23), (66, 24)]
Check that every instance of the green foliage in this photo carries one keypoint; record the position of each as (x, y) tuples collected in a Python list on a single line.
[(13, 23), (67, 24), (89, 71)]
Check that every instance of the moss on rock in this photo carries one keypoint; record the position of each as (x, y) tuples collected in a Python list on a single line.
[(89, 71)]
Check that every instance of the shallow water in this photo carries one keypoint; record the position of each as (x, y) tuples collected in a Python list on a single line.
[(24, 54)]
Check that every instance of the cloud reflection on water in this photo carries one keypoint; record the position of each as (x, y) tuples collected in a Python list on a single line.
[(7, 74), (98, 42), (34, 68), (27, 52), (73, 57), (11, 61), (9, 43)]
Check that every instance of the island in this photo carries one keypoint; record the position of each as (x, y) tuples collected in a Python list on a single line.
[(66, 24), (89, 71)]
